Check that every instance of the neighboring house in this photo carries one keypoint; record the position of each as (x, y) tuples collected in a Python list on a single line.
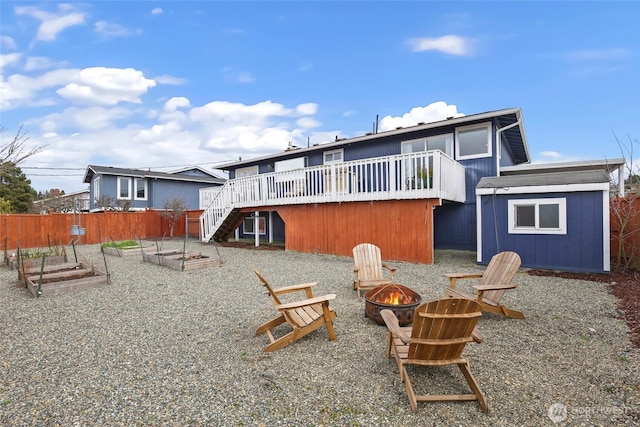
[(136, 189), (408, 190), (78, 201)]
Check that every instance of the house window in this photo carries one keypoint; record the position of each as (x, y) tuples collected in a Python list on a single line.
[(249, 222), (244, 172), (124, 187), (473, 141), (443, 143), (538, 216), (335, 156), (141, 188), (96, 189)]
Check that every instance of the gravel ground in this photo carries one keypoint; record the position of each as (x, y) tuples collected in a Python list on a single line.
[(165, 347)]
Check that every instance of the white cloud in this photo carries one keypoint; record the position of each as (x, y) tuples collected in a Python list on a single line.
[(9, 59), (307, 123), (7, 42), (157, 11), (308, 108), (176, 102), (83, 119), (110, 29), (35, 63), (52, 23), (106, 86), (551, 154), (451, 44), (169, 80), (431, 113), (232, 76)]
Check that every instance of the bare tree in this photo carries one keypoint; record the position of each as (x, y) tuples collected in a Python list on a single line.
[(174, 210), (625, 212), (16, 150)]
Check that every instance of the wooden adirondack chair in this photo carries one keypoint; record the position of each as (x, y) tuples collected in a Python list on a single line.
[(303, 316), (368, 267), (441, 329), (496, 279)]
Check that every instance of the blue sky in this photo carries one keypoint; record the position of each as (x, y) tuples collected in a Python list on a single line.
[(165, 85)]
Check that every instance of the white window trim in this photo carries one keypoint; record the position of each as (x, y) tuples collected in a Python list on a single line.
[(135, 189), (447, 136), (562, 212), (118, 187), (262, 224), (489, 152), (245, 172), (324, 156)]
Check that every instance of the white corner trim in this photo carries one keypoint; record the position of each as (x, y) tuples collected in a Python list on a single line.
[(478, 229), (606, 230)]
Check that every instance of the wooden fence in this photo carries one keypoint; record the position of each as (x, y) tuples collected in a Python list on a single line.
[(35, 231), (628, 210)]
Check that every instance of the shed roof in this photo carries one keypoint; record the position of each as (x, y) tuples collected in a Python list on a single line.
[(545, 179)]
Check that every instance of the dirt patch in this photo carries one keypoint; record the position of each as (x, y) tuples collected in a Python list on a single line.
[(247, 245), (624, 285)]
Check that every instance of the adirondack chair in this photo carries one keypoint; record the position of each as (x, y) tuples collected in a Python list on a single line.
[(496, 279), (368, 267), (441, 329), (303, 316)]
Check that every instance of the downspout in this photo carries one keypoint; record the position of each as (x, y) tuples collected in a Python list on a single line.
[(499, 143)]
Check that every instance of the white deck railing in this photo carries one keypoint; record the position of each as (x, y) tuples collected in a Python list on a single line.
[(423, 175)]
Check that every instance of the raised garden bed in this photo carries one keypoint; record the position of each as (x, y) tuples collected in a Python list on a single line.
[(126, 248), (32, 258), (178, 261), (66, 277)]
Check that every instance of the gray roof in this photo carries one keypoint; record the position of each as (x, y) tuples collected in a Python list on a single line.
[(515, 137), (544, 179), (137, 173), (608, 165)]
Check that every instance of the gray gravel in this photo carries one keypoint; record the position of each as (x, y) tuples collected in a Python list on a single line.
[(165, 347)]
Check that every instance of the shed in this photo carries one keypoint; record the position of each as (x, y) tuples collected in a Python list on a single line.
[(555, 221)]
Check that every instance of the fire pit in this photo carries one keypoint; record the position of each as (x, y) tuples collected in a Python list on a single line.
[(397, 298)]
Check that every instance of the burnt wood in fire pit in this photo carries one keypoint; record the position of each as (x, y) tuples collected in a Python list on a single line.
[(397, 298)]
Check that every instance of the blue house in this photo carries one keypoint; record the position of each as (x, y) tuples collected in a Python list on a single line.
[(139, 189), (407, 190)]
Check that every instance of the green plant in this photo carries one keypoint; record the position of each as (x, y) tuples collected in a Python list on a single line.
[(124, 244), (39, 253), (423, 173)]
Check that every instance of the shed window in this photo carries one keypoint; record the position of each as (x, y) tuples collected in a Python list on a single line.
[(473, 141), (538, 216), (249, 222)]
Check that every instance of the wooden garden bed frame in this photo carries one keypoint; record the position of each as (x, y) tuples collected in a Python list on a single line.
[(65, 277), (174, 259), (125, 252)]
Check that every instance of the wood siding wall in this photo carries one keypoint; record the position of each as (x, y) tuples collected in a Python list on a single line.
[(33, 231), (403, 229)]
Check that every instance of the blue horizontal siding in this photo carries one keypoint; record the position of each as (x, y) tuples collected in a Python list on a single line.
[(581, 249)]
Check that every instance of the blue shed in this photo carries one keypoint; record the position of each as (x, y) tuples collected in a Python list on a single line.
[(556, 221)]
